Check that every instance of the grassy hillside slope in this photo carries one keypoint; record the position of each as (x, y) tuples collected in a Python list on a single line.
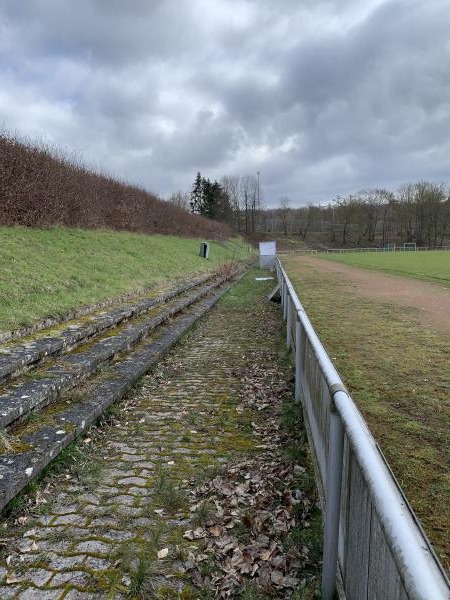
[(47, 272)]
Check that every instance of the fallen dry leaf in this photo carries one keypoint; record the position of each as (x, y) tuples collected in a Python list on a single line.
[(12, 578), (163, 553)]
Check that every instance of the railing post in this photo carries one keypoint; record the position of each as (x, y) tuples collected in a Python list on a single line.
[(333, 505), (288, 321), (285, 300), (298, 359)]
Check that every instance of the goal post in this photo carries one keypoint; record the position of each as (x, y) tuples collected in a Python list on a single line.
[(410, 246)]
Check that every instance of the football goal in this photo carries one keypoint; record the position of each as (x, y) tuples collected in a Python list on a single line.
[(410, 246)]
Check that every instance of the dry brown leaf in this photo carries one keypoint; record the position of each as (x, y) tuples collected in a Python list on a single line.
[(266, 555), (22, 520), (163, 553), (12, 578), (277, 577), (216, 531)]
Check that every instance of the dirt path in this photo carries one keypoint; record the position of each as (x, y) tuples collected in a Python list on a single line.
[(432, 301)]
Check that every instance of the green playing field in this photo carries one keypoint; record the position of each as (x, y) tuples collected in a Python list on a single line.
[(433, 265)]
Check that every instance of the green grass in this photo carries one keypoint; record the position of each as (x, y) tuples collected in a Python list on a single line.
[(433, 265), (397, 372), (49, 272)]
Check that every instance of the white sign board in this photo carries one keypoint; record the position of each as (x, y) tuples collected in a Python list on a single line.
[(267, 255), (267, 248)]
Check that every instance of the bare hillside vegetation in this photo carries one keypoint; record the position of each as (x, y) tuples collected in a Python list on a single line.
[(40, 188)]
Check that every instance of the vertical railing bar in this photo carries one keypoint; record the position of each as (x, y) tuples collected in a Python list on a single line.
[(289, 321), (298, 359), (332, 505)]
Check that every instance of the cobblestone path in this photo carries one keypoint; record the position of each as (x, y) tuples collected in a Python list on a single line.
[(93, 528)]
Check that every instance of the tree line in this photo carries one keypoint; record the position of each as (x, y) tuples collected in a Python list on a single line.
[(417, 212), (235, 200)]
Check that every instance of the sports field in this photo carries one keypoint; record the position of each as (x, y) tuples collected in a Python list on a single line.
[(433, 265)]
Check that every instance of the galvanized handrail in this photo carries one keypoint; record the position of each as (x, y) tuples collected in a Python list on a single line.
[(366, 515)]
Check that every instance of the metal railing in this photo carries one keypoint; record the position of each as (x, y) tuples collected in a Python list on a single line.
[(373, 543)]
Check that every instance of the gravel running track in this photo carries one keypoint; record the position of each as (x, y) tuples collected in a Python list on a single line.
[(431, 300)]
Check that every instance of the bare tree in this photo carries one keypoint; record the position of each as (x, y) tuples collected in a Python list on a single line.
[(180, 199), (306, 217), (249, 195), (231, 186), (284, 212), (347, 208)]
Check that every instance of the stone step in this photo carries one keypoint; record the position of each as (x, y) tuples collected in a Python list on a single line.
[(36, 443), (69, 371), (17, 358)]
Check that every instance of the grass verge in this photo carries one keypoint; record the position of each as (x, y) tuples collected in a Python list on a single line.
[(47, 272), (397, 373)]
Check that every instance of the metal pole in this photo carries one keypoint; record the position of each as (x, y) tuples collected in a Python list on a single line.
[(298, 359), (258, 190), (333, 505), (288, 322)]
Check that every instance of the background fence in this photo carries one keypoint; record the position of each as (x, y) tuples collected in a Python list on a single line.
[(351, 250), (374, 546)]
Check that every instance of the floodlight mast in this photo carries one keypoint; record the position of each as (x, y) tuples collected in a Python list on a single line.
[(257, 172)]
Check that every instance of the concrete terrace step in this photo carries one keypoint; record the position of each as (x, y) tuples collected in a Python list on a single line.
[(16, 402), (15, 359), (36, 443)]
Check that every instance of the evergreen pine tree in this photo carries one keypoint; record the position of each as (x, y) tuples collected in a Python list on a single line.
[(207, 198), (197, 195)]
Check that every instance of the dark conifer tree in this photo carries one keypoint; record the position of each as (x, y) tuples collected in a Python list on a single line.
[(197, 195)]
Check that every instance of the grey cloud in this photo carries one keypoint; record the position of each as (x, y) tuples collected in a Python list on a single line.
[(198, 147), (321, 97), (108, 33)]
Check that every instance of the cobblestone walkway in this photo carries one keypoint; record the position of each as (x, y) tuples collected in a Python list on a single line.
[(93, 529)]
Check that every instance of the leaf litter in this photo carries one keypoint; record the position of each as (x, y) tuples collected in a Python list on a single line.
[(256, 503)]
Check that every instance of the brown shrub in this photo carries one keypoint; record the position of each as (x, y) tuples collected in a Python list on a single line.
[(41, 188)]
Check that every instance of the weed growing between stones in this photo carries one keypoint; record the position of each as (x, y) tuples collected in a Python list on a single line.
[(5, 442), (142, 584), (14, 507), (167, 495), (202, 514)]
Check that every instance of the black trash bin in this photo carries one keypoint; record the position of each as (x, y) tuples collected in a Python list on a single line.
[(204, 250)]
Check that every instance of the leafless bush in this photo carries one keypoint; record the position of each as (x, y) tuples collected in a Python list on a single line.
[(39, 188)]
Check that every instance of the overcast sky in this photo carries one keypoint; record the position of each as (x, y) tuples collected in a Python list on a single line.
[(322, 97)]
